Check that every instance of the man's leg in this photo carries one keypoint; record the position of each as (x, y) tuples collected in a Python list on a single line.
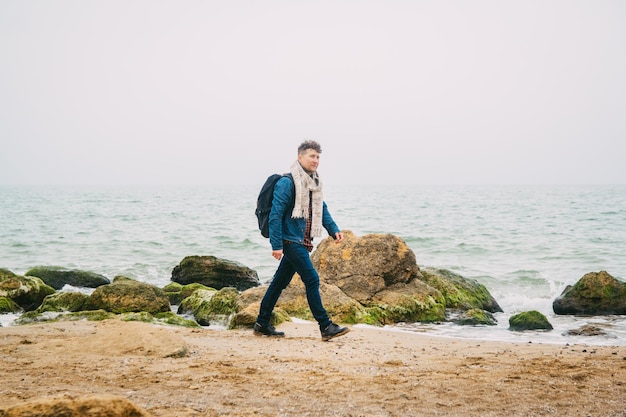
[(301, 261), (282, 278)]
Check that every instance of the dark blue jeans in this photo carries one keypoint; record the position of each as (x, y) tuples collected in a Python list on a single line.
[(295, 259)]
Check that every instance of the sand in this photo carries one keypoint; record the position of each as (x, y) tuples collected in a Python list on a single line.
[(172, 371)]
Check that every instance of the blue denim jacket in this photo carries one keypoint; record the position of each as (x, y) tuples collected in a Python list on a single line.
[(283, 226)]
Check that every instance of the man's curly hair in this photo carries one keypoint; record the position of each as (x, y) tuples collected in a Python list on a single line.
[(309, 144)]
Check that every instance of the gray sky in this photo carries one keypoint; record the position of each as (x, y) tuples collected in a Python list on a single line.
[(202, 92)]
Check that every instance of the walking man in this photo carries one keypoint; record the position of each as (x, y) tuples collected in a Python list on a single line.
[(298, 215)]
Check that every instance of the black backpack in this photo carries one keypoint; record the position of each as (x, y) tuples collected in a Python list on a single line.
[(264, 202)]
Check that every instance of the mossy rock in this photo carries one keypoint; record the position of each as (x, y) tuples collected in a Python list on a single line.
[(125, 295), (418, 306), (48, 316), (475, 317), (57, 277), (209, 306), (529, 320), (375, 316), (8, 306), (27, 292), (460, 292), (169, 318), (595, 294), (63, 301), (177, 292), (246, 317)]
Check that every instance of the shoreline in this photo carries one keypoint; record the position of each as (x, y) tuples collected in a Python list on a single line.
[(369, 371)]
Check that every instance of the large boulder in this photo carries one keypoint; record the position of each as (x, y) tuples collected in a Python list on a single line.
[(57, 277), (460, 293), (125, 295), (27, 292), (381, 273), (364, 266), (596, 293), (215, 273)]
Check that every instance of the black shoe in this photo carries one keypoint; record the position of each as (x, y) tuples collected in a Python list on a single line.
[(333, 331), (267, 331)]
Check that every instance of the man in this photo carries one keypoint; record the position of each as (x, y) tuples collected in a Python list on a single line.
[(298, 215)]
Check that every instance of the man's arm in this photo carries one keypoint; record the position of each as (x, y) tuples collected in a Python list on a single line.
[(283, 194)]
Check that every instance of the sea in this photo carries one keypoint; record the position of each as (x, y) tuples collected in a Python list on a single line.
[(524, 243)]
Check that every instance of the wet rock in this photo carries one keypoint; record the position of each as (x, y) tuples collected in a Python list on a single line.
[(52, 316), (459, 292), (586, 330), (63, 301), (595, 294), (27, 292), (210, 306), (474, 317), (57, 277), (529, 320), (8, 306), (125, 295), (168, 317), (177, 292), (215, 273)]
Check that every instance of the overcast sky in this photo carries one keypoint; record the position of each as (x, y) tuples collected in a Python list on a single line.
[(416, 92)]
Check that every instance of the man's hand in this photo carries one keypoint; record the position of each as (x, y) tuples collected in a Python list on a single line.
[(338, 237), (277, 254)]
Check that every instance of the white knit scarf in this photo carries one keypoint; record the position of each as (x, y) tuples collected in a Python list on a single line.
[(307, 185)]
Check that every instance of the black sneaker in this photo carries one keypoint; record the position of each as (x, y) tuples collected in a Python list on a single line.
[(333, 331), (267, 331)]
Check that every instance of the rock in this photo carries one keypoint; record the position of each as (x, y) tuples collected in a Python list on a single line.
[(210, 306), (293, 302), (586, 330), (246, 316), (51, 316), (475, 317), (27, 292), (529, 320), (215, 273), (380, 272), (63, 301), (412, 302), (460, 293), (177, 292), (363, 266), (125, 295), (8, 306), (167, 317), (102, 405), (57, 277), (595, 294)]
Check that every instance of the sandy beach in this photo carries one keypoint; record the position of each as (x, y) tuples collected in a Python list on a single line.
[(171, 371)]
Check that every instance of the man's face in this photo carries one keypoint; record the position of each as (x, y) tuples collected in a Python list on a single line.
[(309, 160)]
